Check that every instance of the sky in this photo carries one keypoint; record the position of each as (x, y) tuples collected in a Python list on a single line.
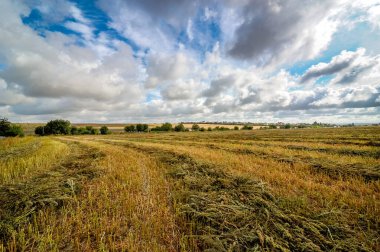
[(180, 60)]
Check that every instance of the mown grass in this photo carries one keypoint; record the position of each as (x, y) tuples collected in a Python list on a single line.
[(260, 190), (22, 200), (22, 157)]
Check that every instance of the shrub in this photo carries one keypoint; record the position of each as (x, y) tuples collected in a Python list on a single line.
[(142, 127), (195, 127), (10, 130), (247, 127), (74, 131), (202, 129), (180, 127), (130, 128), (15, 130), (5, 125), (209, 129), (272, 126), (39, 130), (104, 130), (236, 128), (58, 127), (167, 127)]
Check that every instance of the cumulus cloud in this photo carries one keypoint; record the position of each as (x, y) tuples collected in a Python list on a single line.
[(47, 67), (337, 63), (279, 31), (349, 67)]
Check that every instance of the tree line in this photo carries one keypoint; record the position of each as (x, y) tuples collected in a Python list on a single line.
[(64, 127)]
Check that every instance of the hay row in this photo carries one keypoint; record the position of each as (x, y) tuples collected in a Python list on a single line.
[(223, 212), (19, 202)]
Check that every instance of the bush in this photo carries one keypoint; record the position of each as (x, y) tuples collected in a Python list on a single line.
[(58, 127), (130, 128), (180, 128), (164, 127), (10, 130), (195, 127), (247, 127), (39, 130), (209, 129), (5, 126), (202, 129), (142, 127), (15, 130), (167, 127), (104, 130), (74, 131), (236, 128)]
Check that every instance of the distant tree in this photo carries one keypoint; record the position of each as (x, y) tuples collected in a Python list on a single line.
[(5, 126), (247, 127), (195, 127), (130, 128), (287, 126), (180, 127), (236, 128), (58, 127), (74, 131), (91, 130), (145, 127), (167, 127), (142, 127), (139, 127), (104, 130), (14, 130), (272, 126), (40, 130)]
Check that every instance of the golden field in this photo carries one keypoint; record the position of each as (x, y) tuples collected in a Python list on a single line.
[(260, 190)]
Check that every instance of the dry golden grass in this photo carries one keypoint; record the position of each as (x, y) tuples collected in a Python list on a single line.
[(319, 189)]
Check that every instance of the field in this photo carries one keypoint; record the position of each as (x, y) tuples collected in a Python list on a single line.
[(260, 190)]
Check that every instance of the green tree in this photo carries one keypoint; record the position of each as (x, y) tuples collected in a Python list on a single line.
[(167, 127), (104, 130), (142, 127), (5, 126), (130, 128), (74, 131), (195, 127), (15, 130), (247, 127), (39, 130), (180, 127), (58, 127)]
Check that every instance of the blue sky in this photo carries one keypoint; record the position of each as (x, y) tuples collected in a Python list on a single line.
[(154, 61)]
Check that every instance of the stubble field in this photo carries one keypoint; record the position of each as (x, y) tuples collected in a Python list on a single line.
[(260, 190)]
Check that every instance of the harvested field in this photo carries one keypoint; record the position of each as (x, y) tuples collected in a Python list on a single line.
[(261, 190)]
